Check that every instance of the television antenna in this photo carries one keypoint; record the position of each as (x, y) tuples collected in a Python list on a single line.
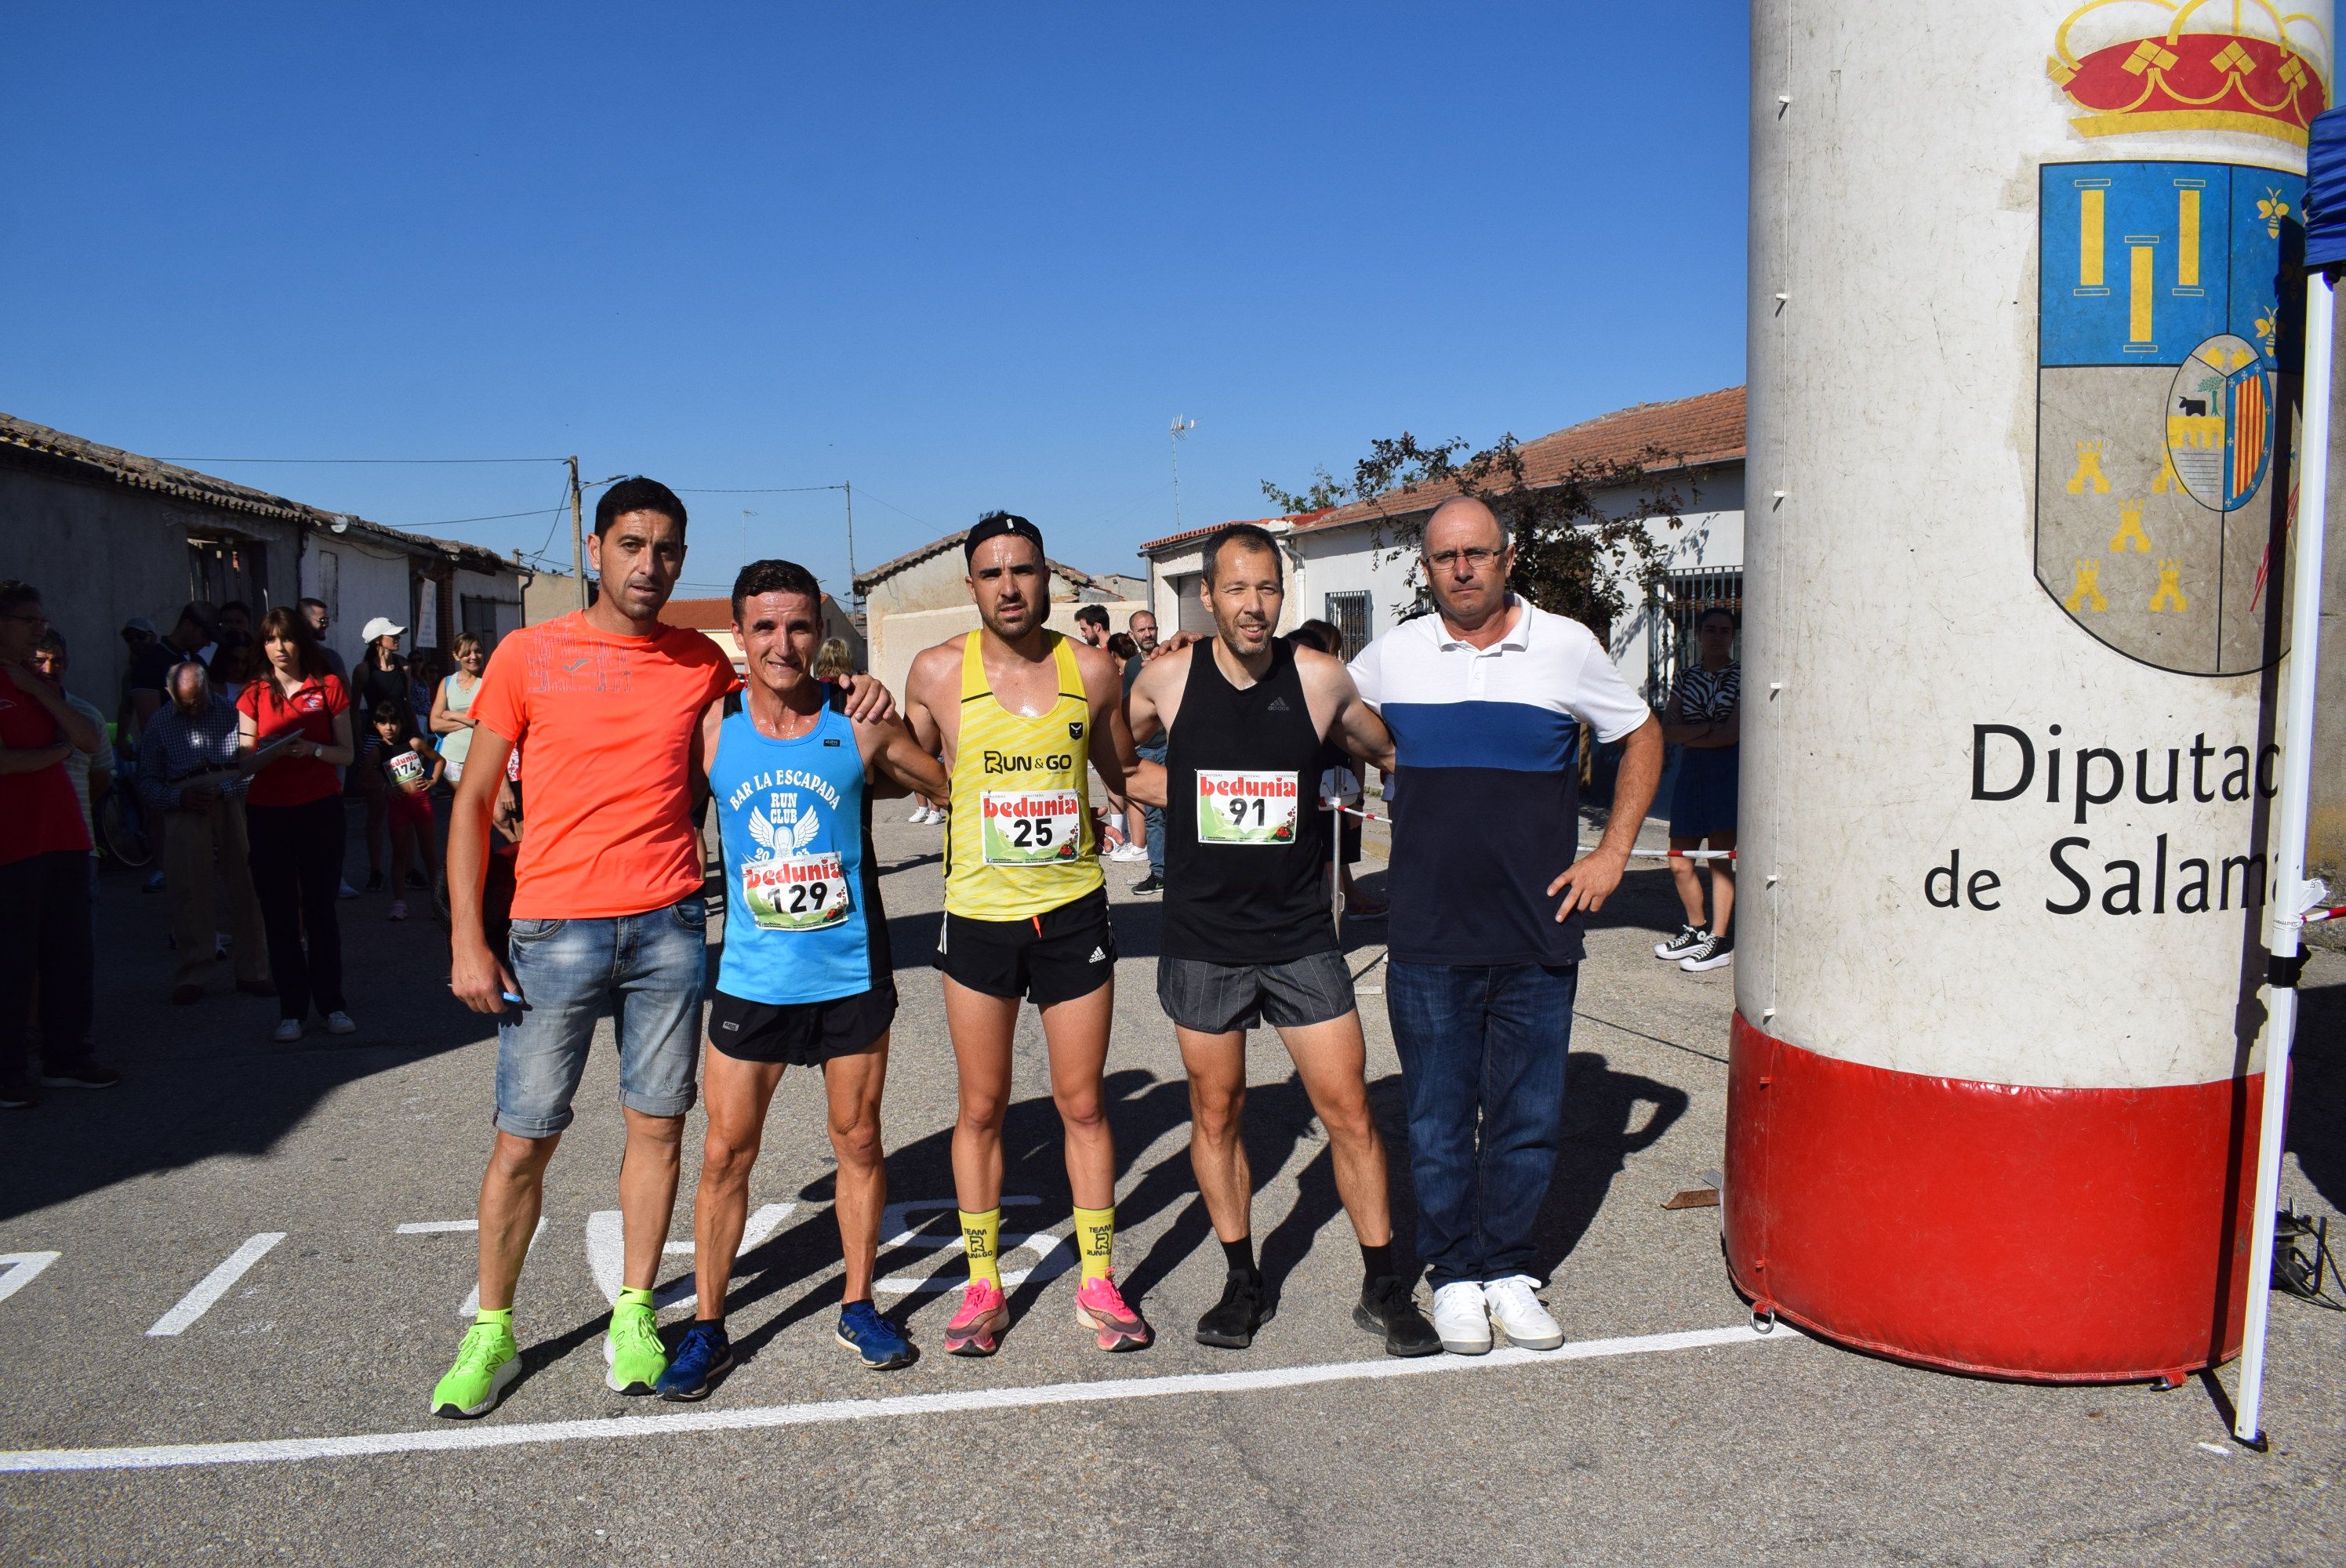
[(1181, 427)]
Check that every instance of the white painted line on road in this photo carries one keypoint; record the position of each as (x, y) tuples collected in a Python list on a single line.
[(462, 1439), (440, 1226), (897, 1233), (214, 1286), (606, 1250), (19, 1269)]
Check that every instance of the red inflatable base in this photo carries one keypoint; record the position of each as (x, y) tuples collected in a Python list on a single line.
[(2054, 1234)]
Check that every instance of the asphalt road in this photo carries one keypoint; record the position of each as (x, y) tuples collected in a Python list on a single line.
[(1668, 1431)]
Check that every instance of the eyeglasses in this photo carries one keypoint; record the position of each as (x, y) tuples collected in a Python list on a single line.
[(1477, 556), (30, 618)]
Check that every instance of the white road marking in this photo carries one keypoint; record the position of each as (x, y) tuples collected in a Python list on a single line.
[(1051, 1258), (214, 1286), (19, 1269), (439, 1226), (453, 1438), (606, 1252)]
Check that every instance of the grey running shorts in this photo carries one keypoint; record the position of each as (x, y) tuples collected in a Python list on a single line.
[(1218, 998)]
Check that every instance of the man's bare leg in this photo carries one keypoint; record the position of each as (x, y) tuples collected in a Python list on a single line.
[(1075, 1034), (513, 1191), (1218, 1086), (852, 1086), (981, 1026), (648, 1172), (737, 1094)]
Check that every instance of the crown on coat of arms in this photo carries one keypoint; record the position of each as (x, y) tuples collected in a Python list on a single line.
[(2183, 65)]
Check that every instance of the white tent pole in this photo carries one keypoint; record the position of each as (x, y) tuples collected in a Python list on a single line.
[(2288, 887)]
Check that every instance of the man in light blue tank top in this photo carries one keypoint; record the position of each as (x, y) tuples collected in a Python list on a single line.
[(807, 978)]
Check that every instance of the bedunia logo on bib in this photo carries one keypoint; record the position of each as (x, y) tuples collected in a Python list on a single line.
[(1236, 807), (804, 892), (1030, 827)]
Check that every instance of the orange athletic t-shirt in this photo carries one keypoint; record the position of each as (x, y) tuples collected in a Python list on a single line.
[(607, 723)]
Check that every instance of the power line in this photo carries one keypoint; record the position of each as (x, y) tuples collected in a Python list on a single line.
[(772, 490), (892, 506), (492, 517)]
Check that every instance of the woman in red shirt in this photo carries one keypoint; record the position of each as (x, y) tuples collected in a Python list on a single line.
[(296, 718)]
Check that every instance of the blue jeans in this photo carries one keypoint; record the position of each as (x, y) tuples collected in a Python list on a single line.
[(647, 968), (1155, 752), (1482, 1060)]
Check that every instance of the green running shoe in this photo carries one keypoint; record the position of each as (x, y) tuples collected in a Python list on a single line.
[(632, 1347), (486, 1362)]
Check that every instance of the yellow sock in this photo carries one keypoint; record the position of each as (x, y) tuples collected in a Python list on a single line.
[(1096, 1240), (981, 1234)]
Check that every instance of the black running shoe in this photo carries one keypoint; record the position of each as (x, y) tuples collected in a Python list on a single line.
[(86, 1075), (1244, 1308), (1689, 937), (1151, 883), (1715, 953), (1389, 1307), (375, 880)]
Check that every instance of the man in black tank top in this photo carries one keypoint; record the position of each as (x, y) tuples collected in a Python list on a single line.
[(1249, 934)]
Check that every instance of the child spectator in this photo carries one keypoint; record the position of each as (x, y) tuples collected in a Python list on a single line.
[(407, 767)]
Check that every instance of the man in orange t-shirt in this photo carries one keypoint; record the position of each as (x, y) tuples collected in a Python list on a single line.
[(607, 914)]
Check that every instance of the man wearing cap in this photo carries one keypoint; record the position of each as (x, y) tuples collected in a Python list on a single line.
[(1014, 709)]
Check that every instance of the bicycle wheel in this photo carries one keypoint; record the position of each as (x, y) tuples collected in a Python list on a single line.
[(125, 842)]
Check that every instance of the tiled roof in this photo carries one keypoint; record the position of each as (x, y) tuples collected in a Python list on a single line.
[(130, 470), (1275, 524), (867, 581), (1694, 431)]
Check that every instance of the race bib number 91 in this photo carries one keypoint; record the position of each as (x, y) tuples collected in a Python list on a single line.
[(804, 892), (1239, 807), (1039, 827)]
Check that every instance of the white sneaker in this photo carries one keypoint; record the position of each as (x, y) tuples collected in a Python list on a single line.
[(936, 815), (1461, 1320), (346, 890), (287, 1031), (1130, 853), (340, 1024), (920, 814), (1514, 1309)]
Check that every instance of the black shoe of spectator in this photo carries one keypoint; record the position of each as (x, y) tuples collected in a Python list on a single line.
[(16, 1094), (375, 880), (1151, 883), (87, 1075), (1389, 1307), (418, 880)]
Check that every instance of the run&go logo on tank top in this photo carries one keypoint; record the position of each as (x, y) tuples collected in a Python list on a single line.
[(1236, 807)]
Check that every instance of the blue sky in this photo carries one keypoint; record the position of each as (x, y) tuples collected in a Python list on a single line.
[(966, 256)]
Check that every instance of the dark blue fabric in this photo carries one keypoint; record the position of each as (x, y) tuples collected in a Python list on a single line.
[(1703, 799), (1474, 850), (1511, 734), (2325, 192), (1482, 1059)]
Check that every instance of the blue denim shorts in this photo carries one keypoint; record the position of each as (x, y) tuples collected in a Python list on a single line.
[(647, 969)]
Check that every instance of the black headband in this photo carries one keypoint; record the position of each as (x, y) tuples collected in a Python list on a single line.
[(994, 527)]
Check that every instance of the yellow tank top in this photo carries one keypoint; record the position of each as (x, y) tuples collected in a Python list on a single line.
[(1019, 842)]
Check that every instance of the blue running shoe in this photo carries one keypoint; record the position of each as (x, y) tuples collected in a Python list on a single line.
[(880, 1342), (703, 1355)]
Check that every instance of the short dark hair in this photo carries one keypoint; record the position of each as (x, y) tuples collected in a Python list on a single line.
[(1250, 537), (390, 709), (51, 638), (240, 607), (775, 577), (199, 614), (316, 605), (1094, 615), (637, 494), (992, 526), (293, 626), (14, 592), (1321, 635), (1734, 621)]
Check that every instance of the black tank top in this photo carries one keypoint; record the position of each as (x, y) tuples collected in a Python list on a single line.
[(1246, 846)]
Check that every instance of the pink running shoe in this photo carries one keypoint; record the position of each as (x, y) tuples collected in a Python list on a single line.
[(1100, 1307), (985, 1317)]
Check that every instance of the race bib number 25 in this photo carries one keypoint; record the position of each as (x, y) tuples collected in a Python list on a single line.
[(1037, 828), (1241, 808)]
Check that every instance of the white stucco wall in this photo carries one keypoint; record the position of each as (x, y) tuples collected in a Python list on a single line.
[(366, 580)]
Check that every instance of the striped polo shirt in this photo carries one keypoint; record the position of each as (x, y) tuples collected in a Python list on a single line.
[(1489, 785)]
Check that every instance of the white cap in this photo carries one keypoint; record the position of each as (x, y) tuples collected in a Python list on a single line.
[(381, 626)]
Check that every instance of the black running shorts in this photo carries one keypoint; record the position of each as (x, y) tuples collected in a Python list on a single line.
[(1053, 957), (800, 1033), (1222, 998)]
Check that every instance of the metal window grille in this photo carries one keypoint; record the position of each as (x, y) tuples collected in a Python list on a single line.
[(1672, 608), (221, 569), (1349, 613)]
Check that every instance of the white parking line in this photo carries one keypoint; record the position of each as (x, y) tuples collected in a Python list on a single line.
[(214, 1286), (17, 1269), (459, 1439)]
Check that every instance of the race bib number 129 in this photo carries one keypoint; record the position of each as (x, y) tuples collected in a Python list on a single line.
[(1241, 808), (802, 892)]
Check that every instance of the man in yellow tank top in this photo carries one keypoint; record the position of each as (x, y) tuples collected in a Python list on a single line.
[(1013, 709)]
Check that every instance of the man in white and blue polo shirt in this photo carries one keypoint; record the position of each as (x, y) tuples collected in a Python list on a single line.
[(1483, 700)]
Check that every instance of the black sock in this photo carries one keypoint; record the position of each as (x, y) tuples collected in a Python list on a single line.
[(1241, 1254), (1377, 1260)]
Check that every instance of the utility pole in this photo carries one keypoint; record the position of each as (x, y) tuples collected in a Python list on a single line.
[(854, 599), (577, 533), (746, 515), (1181, 427)]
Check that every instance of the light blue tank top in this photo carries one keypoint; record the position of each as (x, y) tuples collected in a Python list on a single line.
[(802, 892)]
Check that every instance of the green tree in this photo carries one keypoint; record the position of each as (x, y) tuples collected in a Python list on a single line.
[(1585, 540)]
